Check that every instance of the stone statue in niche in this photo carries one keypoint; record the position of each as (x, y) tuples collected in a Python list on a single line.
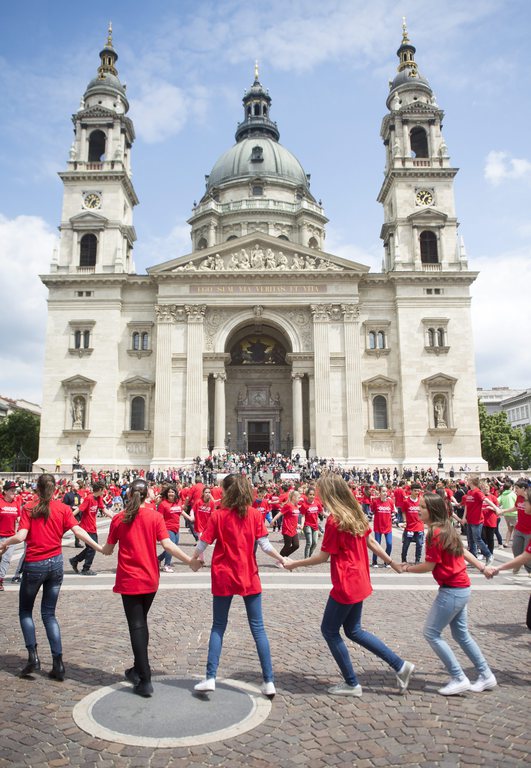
[(78, 412), (282, 262), (270, 260), (439, 407)]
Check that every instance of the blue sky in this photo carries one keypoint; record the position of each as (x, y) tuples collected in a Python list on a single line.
[(327, 66)]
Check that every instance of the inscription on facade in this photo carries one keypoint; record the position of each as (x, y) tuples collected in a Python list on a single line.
[(232, 290)]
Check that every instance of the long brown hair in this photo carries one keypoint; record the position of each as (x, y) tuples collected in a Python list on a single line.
[(339, 500), (136, 495), (45, 491), (438, 518), (237, 494)]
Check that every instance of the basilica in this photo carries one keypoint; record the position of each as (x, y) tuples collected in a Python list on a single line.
[(259, 339)]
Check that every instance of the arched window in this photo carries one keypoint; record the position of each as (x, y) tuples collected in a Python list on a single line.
[(145, 340), (136, 340), (440, 337), (372, 339), (431, 337), (283, 237), (88, 251), (380, 339), (202, 244), (419, 142), (231, 237), (265, 111), (257, 110), (428, 247), (248, 111), (138, 408), (97, 142), (379, 412), (77, 340), (312, 243)]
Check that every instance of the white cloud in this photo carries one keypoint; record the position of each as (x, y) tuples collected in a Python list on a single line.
[(26, 247), (156, 250), (500, 166), (500, 316)]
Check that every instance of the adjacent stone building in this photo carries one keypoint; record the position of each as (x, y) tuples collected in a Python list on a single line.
[(259, 339)]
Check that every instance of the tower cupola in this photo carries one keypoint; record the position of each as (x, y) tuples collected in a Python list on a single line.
[(408, 78), (106, 84), (256, 105)]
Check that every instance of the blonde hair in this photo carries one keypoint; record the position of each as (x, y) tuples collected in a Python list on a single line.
[(338, 499)]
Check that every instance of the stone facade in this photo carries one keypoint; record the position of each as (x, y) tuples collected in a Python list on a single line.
[(259, 339)]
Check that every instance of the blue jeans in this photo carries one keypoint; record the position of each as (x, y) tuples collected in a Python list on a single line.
[(166, 556), (338, 615), (473, 533), (388, 543), (253, 606), (48, 574), (312, 537), (414, 536), (450, 608)]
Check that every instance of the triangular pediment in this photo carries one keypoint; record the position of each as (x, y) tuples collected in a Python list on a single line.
[(137, 382), (78, 382), (88, 220), (439, 380), (258, 253), (427, 215)]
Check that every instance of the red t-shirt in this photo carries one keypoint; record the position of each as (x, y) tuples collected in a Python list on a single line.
[(349, 563), (523, 522), (382, 515), (411, 510), (234, 568), (262, 505), (311, 513), (473, 503), (89, 509), (137, 572), (399, 497), (290, 519), (171, 512), (274, 501), (44, 536), (490, 518), (450, 570), (9, 514), (202, 511)]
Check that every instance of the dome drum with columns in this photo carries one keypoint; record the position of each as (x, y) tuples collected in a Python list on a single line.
[(259, 339)]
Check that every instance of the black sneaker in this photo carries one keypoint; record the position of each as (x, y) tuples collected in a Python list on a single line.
[(143, 688), (132, 676), (74, 563), (16, 579), (89, 573)]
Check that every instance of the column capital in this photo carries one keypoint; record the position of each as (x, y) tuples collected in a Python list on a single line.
[(297, 376), (195, 312), (321, 311), (169, 313), (351, 312), (220, 376)]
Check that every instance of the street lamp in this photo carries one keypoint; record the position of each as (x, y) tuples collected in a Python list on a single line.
[(228, 441), (77, 456), (273, 443), (244, 441), (440, 465)]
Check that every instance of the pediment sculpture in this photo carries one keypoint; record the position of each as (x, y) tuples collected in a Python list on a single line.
[(260, 259)]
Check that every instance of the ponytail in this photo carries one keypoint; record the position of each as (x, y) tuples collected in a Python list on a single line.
[(136, 495), (45, 491)]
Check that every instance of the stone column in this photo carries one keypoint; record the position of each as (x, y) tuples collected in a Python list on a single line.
[(165, 315), (219, 412), (297, 415), (353, 390), (321, 354), (194, 381)]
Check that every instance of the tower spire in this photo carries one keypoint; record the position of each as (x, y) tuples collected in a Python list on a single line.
[(256, 104), (406, 53), (256, 74), (108, 57)]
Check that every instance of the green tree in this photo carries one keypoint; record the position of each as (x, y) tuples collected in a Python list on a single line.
[(498, 438), (18, 432), (525, 447)]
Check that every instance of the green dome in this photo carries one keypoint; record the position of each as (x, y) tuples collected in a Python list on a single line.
[(257, 156)]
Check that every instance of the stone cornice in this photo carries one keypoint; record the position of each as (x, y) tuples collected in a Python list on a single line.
[(100, 175), (431, 172)]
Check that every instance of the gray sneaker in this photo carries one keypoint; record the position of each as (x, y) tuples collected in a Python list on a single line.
[(344, 689), (403, 676)]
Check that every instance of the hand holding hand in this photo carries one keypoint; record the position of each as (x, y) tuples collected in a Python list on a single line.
[(490, 571), (398, 567), (195, 564), (289, 565)]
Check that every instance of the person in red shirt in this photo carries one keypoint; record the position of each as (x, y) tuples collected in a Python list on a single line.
[(43, 523), (445, 559), (383, 509), (89, 508), (136, 530), (9, 516), (473, 517), (490, 512), (171, 509), (234, 528), (522, 529), (346, 538), (310, 510), (413, 527), (290, 520)]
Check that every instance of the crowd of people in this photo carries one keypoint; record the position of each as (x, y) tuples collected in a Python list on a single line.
[(355, 515)]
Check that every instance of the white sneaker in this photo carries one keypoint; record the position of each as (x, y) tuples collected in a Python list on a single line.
[(490, 560), (484, 683), (168, 569), (344, 689), (403, 676), (455, 686), (208, 684), (268, 689)]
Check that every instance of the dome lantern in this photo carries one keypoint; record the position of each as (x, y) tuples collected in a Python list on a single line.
[(256, 104)]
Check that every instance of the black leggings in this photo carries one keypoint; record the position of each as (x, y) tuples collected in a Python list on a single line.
[(136, 609), (291, 543)]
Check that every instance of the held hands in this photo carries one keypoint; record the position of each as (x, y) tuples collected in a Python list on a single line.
[(398, 567), (289, 565), (195, 564), (490, 571)]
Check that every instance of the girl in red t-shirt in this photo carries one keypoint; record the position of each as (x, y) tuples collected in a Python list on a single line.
[(311, 509), (43, 524), (346, 538), (290, 520), (234, 528), (445, 559), (171, 509), (137, 530)]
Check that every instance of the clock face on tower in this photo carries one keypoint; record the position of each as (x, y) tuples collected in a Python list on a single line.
[(92, 200), (424, 197)]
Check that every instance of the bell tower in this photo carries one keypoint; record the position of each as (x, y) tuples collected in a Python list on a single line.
[(97, 232), (420, 224)]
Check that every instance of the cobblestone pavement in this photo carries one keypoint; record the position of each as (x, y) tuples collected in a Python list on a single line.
[(307, 727)]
